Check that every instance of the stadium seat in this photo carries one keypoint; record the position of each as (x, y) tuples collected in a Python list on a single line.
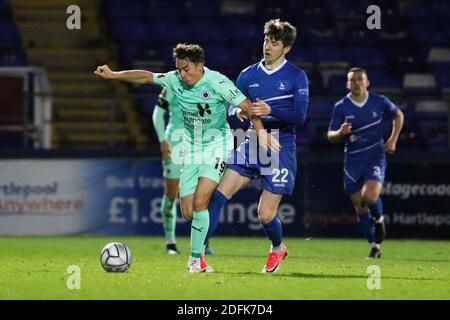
[(202, 9), (428, 33), (9, 35), (337, 84), (432, 120), (237, 9), (441, 10), (5, 10), (419, 84), (13, 57), (320, 109), (124, 8), (383, 82), (439, 56)]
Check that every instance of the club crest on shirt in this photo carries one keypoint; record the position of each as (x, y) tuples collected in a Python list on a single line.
[(283, 85), (205, 94)]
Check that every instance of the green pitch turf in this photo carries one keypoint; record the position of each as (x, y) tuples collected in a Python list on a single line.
[(36, 268)]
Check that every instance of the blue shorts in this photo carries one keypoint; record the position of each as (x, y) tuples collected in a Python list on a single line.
[(356, 173), (276, 177)]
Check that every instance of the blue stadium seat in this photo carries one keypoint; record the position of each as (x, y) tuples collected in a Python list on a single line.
[(250, 31), (343, 9), (302, 140), (317, 132), (169, 31), (327, 54), (379, 78), (13, 57), (124, 8), (441, 10), (432, 122), (320, 109), (428, 33), (135, 31), (321, 36), (164, 10), (417, 11), (220, 56), (5, 10), (419, 84), (202, 9), (337, 84), (365, 56), (442, 75), (206, 31), (9, 35)]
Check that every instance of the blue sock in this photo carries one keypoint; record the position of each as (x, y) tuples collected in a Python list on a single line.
[(216, 203), (274, 231), (368, 226), (376, 210)]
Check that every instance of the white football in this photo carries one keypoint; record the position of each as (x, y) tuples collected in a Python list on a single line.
[(115, 257)]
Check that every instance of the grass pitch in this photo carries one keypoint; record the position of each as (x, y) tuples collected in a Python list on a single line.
[(36, 268)]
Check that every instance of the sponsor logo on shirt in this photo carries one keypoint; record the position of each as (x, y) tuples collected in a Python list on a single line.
[(374, 114), (350, 117), (202, 110), (304, 91)]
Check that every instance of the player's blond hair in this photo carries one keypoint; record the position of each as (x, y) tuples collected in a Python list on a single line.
[(280, 30), (192, 52)]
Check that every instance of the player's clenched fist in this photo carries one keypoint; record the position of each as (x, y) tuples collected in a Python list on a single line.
[(104, 71), (346, 128)]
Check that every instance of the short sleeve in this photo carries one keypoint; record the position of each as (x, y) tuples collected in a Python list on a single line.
[(225, 88), (337, 118), (389, 108), (164, 79)]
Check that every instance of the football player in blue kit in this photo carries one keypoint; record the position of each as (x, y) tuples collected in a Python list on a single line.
[(279, 92), (358, 119)]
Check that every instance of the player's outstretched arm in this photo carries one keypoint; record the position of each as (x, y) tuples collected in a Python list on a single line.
[(336, 136), (397, 124), (266, 140), (133, 76)]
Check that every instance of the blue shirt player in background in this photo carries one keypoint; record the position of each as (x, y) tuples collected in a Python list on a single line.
[(279, 93), (358, 118)]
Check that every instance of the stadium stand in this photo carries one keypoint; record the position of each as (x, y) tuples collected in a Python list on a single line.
[(408, 59)]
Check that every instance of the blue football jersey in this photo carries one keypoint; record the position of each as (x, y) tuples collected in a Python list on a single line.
[(366, 139), (280, 88)]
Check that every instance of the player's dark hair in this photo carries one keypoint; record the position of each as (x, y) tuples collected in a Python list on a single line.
[(280, 30), (192, 52), (358, 69)]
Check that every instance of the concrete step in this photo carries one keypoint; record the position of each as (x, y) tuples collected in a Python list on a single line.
[(89, 140), (78, 116), (64, 128), (68, 54), (99, 86)]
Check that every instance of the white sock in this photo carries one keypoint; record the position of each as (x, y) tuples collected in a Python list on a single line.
[(380, 220), (277, 248)]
